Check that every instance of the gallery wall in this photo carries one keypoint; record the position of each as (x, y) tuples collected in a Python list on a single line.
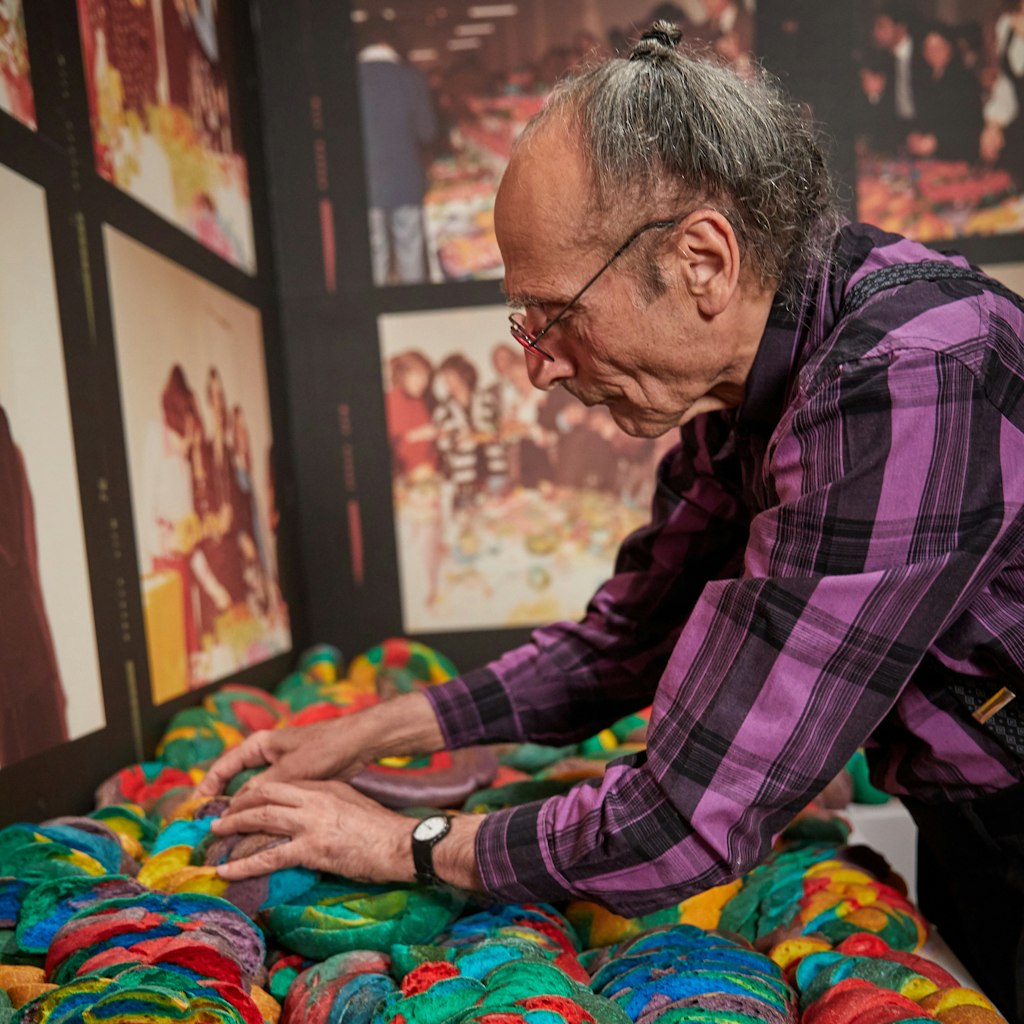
[(145, 484), (226, 357), (392, 543)]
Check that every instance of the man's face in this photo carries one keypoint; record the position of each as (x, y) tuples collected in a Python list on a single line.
[(455, 386), (937, 51), (886, 32), (415, 381), (648, 361)]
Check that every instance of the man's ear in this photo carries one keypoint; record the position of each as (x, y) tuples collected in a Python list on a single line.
[(710, 254)]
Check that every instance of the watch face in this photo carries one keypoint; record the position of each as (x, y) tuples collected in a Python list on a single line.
[(430, 828)]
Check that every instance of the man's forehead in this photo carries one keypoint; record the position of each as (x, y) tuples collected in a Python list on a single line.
[(547, 173), (541, 204)]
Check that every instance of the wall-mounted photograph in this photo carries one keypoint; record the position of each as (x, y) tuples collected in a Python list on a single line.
[(163, 104), (16, 95), (932, 95), (198, 433), (509, 502), (50, 689), (446, 89)]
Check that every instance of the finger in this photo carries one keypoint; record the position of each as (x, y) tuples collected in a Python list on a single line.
[(341, 791), (248, 754), (274, 773), (261, 863), (335, 786), (277, 771), (281, 764), (262, 794), (270, 818)]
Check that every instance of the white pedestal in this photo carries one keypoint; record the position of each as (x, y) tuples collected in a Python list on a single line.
[(889, 829)]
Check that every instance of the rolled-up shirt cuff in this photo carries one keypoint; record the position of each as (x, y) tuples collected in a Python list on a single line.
[(474, 708), (512, 860)]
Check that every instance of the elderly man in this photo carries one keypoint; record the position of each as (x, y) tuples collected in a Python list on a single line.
[(834, 554)]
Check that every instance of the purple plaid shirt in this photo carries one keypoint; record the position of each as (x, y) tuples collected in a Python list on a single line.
[(816, 561)]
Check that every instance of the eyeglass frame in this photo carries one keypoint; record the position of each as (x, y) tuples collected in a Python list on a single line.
[(529, 341)]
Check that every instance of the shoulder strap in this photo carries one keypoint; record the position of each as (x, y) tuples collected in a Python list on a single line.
[(904, 273)]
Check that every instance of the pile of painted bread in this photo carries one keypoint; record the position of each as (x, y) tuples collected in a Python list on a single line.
[(120, 916)]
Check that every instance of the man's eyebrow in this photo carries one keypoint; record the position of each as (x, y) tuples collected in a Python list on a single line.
[(519, 300), (526, 300)]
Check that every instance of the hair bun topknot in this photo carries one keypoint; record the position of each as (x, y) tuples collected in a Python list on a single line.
[(661, 36)]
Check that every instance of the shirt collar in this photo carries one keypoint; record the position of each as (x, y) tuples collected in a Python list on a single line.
[(791, 334), (903, 49), (767, 384)]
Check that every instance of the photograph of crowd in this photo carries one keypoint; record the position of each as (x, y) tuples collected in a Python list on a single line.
[(933, 95), (50, 688), (197, 426), (941, 131), (16, 96), (509, 502), (164, 113), (445, 90)]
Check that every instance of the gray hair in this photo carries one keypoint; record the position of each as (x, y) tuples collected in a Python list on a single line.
[(662, 121)]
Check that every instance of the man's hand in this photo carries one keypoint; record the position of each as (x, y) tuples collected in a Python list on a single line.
[(324, 750), (329, 826), (336, 749), (332, 827)]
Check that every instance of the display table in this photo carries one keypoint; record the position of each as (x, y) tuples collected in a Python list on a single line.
[(889, 829)]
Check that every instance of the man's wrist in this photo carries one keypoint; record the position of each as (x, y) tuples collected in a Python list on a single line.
[(429, 831), (402, 726), (455, 855)]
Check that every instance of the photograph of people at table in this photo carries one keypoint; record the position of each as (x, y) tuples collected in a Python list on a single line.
[(833, 559), (509, 502), (928, 95), (442, 101)]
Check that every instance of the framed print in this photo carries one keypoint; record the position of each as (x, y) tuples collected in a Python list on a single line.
[(446, 90), (509, 502), (938, 114), (198, 435), (50, 689), (163, 103), (16, 95)]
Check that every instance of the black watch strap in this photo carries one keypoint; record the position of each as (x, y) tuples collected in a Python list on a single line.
[(423, 846)]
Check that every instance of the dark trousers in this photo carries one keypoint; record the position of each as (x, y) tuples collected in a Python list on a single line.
[(970, 883)]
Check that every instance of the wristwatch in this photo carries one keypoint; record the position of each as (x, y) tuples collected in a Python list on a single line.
[(425, 836)]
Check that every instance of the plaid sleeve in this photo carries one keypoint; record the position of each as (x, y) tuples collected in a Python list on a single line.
[(574, 678), (885, 525)]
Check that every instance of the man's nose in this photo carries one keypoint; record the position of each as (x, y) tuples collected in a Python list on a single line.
[(547, 374)]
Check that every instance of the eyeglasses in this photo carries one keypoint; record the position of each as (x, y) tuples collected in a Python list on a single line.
[(517, 321)]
